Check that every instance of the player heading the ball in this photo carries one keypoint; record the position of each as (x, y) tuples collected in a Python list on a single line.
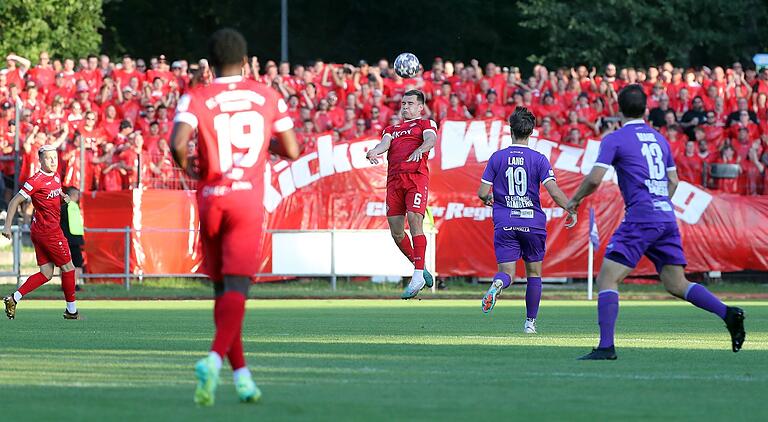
[(407, 145), (511, 184)]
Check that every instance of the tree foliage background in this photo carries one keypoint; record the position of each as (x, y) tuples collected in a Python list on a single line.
[(643, 32), (555, 32), (64, 28)]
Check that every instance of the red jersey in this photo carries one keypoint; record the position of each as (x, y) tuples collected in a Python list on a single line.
[(44, 189), (690, 168), (235, 119), (406, 137)]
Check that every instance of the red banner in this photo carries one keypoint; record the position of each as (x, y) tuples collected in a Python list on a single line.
[(334, 186)]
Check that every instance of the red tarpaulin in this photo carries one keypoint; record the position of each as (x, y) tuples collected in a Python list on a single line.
[(334, 186)]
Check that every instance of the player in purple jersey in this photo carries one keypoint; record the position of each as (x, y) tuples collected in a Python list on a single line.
[(511, 183), (647, 178)]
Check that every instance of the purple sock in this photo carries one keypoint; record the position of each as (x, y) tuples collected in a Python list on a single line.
[(700, 296), (533, 296), (607, 312), (504, 277)]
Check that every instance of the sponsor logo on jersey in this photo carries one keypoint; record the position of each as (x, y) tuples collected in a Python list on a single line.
[(54, 193), (399, 133)]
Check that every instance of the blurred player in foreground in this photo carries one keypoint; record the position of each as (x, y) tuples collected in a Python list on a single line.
[(51, 247), (407, 145), (511, 185), (235, 120), (647, 177)]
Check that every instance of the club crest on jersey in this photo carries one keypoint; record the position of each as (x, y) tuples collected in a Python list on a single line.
[(54, 193), (399, 133)]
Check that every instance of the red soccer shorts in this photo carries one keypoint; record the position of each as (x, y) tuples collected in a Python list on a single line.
[(231, 230), (51, 247), (407, 192)]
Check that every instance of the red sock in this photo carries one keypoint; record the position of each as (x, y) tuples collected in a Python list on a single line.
[(236, 356), (33, 282), (406, 248), (68, 285), (419, 250), (228, 316)]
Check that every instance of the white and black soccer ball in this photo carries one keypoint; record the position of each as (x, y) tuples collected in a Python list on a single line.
[(407, 65)]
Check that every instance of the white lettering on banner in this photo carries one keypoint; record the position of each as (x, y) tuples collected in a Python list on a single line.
[(272, 196), (545, 147), (458, 210), (358, 149), (302, 174), (325, 148), (690, 202), (569, 159), (456, 141)]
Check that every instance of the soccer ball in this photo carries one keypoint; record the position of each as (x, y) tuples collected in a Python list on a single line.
[(407, 65)]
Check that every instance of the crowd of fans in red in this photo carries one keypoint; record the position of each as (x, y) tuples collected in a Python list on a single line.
[(123, 111)]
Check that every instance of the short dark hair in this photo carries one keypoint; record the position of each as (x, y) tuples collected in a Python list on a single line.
[(521, 122), (226, 47), (419, 95), (632, 101)]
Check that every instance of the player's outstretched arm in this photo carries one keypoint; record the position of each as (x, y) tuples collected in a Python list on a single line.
[(561, 200), (179, 143), (287, 146), (588, 186), (430, 139), (383, 146), (672, 183), (11, 214), (484, 193)]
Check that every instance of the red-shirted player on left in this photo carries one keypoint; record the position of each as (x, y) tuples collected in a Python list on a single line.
[(51, 248)]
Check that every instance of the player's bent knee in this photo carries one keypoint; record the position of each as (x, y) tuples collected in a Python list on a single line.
[(69, 266), (47, 271), (239, 284)]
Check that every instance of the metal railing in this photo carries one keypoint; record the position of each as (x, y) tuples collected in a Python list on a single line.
[(128, 275)]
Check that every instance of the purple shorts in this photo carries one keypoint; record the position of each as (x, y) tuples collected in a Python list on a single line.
[(660, 242), (511, 243)]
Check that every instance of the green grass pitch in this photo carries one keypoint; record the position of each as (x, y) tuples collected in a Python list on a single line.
[(383, 360)]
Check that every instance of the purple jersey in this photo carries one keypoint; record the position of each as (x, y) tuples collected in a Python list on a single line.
[(641, 157), (515, 173)]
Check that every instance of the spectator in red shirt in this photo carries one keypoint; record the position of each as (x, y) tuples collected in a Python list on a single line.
[(16, 68), (43, 74), (92, 75), (714, 129), (690, 165), (490, 108), (322, 120), (347, 130), (60, 88), (742, 105), (456, 110), (574, 137), (441, 101), (710, 98), (573, 123), (549, 108), (743, 143), (744, 122), (129, 105), (548, 131), (110, 123), (753, 171)]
